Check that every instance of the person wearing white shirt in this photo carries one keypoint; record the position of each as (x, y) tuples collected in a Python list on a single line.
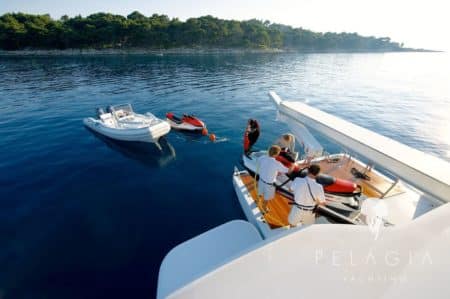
[(307, 195), (268, 168)]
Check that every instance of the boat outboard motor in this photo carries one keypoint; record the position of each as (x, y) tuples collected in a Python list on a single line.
[(109, 109), (100, 111)]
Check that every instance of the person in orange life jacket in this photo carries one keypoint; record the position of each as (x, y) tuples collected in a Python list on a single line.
[(268, 168), (307, 195)]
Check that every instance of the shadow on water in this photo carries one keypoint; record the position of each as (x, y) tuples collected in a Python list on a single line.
[(188, 135), (145, 153)]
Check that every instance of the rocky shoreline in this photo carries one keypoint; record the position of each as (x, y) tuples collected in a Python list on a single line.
[(179, 51), (156, 52)]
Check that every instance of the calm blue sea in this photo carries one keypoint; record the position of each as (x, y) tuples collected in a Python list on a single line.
[(84, 217)]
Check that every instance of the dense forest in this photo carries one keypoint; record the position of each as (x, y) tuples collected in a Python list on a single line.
[(105, 31)]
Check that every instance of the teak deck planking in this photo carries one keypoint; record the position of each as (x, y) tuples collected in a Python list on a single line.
[(279, 206)]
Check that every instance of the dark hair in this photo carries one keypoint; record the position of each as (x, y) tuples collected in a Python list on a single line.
[(314, 169), (253, 123)]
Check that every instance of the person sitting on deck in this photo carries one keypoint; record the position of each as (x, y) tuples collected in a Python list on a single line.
[(287, 144), (307, 195), (268, 168)]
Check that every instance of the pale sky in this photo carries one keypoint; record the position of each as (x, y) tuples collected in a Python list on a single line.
[(419, 24)]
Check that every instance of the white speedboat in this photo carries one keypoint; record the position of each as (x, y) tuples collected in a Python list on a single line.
[(257, 259), (120, 122)]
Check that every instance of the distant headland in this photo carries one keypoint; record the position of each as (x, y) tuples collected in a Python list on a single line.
[(115, 34)]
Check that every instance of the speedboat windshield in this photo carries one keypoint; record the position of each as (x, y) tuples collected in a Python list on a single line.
[(121, 110), (123, 107)]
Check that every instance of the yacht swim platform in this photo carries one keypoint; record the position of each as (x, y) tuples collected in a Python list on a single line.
[(375, 186), (276, 220), (280, 207), (403, 201)]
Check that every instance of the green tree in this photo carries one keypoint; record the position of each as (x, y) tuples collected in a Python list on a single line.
[(105, 30)]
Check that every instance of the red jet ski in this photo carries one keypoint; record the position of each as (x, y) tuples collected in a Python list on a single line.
[(331, 184), (186, 122)]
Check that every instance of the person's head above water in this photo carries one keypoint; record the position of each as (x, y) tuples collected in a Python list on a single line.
[(274, 150)]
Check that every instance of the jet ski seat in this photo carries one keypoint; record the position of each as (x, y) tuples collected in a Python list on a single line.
[(175, 118)]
